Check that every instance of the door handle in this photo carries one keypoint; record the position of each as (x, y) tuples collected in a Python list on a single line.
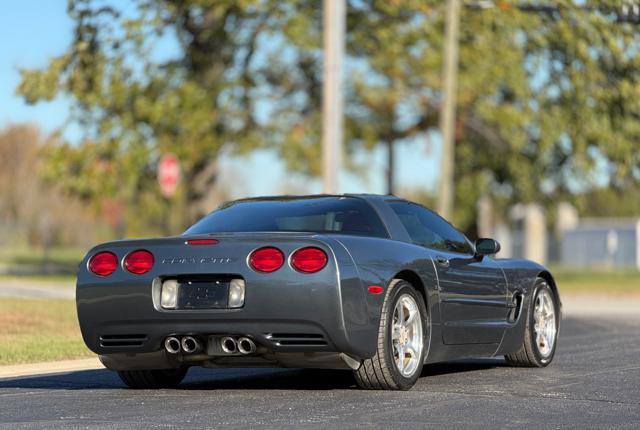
[(442, 261)]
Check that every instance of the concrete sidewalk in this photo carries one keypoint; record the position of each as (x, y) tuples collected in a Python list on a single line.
[(34, 369), (36, 289)]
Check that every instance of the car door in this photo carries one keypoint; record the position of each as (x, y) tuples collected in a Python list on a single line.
[(472, 290), (473, 298)]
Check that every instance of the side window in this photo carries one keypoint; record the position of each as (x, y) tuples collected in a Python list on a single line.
[(425, 228)]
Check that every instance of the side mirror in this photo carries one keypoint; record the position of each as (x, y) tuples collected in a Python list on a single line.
[(487, 246)]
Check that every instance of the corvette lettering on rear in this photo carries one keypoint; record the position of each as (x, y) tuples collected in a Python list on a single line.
[(196, 260)]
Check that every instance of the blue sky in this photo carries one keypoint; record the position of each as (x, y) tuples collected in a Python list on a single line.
[(33, 31)]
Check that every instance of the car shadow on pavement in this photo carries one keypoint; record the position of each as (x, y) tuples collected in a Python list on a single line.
[(237, 379), (462, 366), (80, 380), (197, 379)]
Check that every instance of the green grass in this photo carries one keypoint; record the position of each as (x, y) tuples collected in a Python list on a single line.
[(57, 260), (597, 282), (34, 331)]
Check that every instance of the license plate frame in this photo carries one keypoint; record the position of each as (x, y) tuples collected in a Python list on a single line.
[(203, 294)]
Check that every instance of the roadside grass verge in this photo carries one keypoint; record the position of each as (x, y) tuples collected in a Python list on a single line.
[(25, 260), (34, 331), (597, 282)]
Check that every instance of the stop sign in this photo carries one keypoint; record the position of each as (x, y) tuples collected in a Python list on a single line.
[(168, 174)]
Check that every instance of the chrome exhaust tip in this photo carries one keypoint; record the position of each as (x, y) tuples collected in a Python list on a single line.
[(190, 344), (246, 346), (172, 345), (229, 345)]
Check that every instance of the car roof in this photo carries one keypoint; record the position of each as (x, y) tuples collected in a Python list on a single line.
[(286, 197)]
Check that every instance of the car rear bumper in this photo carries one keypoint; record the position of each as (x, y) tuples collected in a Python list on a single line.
[(323, 312), (123, 318)]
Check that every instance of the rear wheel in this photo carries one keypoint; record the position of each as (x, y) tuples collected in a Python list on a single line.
[(402, 341), (153, 379), (541, 331)]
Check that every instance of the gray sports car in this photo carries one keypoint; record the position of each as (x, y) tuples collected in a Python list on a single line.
[(375, 284)]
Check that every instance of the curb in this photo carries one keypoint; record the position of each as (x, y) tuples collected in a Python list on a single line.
[(36, 369)]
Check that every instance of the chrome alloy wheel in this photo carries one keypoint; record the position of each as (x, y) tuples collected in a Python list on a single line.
[(544, 318), (406, 335)]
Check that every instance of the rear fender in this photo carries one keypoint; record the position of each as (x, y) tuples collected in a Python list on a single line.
[(378, 262)]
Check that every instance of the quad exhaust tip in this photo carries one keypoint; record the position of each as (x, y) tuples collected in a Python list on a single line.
[(246, 346), (229, 345), (172, 345), (190, 345)]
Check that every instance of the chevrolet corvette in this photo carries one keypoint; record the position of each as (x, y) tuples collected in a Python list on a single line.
[(373, 284)]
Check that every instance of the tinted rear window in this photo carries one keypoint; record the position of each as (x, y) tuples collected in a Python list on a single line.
[(348, 215)]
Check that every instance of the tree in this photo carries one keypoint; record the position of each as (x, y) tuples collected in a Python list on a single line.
[(547, 99), (212, 94), (33, 211), (547, 102), (609, 202)]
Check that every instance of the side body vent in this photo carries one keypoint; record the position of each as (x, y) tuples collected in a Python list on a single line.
[(515, 307), (120, 340)]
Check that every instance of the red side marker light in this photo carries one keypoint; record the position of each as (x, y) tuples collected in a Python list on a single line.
[(103, 263), (139, 262), (201, 242), (375, 289)]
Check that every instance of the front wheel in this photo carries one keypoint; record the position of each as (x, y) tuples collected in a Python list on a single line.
[(541, 331), (402, 341), (153, 379)]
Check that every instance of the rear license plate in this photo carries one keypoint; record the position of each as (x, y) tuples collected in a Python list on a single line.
[(205, 294)]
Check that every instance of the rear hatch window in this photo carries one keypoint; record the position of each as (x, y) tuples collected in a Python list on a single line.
[(347, 215)]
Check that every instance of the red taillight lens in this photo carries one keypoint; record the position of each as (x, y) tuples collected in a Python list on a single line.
[(309, 260), (268, 259), (103, 263), (139, 262)]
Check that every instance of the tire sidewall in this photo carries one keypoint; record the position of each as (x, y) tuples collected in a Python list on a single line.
[(401, 288), (543, 361)]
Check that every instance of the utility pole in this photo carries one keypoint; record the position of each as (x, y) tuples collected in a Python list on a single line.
[(446, 191), (390, 167), (332, 95)]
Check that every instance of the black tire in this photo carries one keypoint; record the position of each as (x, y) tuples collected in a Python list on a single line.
[(153, 379), (380, 371), (529, 354)]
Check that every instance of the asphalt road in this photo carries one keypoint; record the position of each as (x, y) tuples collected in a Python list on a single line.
[(593, 383)]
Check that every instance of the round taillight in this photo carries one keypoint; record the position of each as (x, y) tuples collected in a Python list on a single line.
[(309, 260), (103, 263), (139, 262), (267, 259)]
